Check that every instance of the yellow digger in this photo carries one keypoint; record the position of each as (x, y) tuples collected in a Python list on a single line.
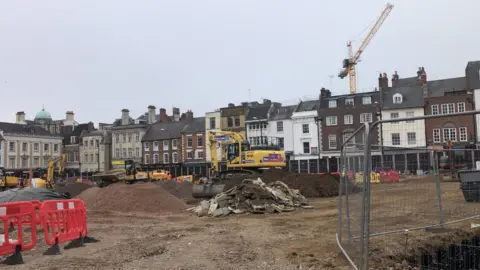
[(241, 160)]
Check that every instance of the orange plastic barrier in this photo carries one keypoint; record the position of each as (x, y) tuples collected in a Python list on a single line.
[(18, 214), (63, 220)]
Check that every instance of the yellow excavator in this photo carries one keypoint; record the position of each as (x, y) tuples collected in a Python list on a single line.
[(47, 179), (242, 159)]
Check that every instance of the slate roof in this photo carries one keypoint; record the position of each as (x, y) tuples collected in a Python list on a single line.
[(13, 128), (410, 81), (258, 113), (412, 97), (439, 87), (197, 125), (76, 132), (282, 113), (88, 133), (310, 105), (155, 132)]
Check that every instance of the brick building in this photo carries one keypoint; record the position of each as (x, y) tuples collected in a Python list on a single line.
[(194, 148)]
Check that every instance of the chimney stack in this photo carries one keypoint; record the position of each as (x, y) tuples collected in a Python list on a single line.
[(385, 80), (125, 117), (231, 105), (176, 114), (151, 115), (69, 116), (189, 115), (395, 78), (20, 119), (163, 116)]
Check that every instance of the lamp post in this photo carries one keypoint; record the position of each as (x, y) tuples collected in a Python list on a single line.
[(169, 147)]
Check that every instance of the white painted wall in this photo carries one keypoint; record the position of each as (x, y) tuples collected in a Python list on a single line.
[(298, 120), (476, 96), (402, 127), (93, 153), (253, 133), (135, 144), (286, 134), (216, 128)]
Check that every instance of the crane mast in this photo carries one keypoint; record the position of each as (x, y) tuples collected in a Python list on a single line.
[(350, 63)]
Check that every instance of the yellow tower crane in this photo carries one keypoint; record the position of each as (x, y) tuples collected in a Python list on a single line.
[(349, 64)]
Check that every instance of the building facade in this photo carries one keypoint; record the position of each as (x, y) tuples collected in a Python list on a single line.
[(27, 146), (194, 148), (71, 148), (256, 124), (212, 124), (305, 131), (280, 126), (95, 151)]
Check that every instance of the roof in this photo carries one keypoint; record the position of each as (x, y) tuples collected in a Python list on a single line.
[(197, 125), (258, 113), (89, 133), (24, 129), (282, 113), (77, 131), (439, 87), (305, 106), (412, 97), (357, 100), (410, 81), (164, 131), (43, 115)]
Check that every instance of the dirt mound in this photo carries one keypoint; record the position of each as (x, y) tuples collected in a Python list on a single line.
[(179, 190), (72, 189), (147, 197)]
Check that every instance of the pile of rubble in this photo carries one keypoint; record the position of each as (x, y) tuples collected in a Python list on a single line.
[(252, 196)]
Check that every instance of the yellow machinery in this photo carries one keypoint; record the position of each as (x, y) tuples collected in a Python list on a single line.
[(132, 172), (48, 179), (241, 159), (350, 63)]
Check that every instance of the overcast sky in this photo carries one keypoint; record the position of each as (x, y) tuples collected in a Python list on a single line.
[(96, 57)]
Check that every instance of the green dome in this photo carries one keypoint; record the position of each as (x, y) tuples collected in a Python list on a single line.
[(43, 115)]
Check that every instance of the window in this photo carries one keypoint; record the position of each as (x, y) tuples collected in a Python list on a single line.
[(349, 101), (55, 148), (91, 158), (199, 140), (331, 121), (410, 114), (75, 156), (155, 146), (265, 125), (279, 126), (129, 137), (394, 115), (91, 143), (436, 135), (137, 136), (281, 143), (137, 152), (117, 152), (365, 117), (229, 122), (449, 134), (306, 148), (36, 161), (24, 163), (146, 146), (174, 144), (24, 147), (212, 123), (86, 158), (463, 134), (190, 154), (348, 119), (46, 147), (435, 110), (200, 155), (366, 100), (345, 138), (461, 107), (189, 141), (124, 152), (174, 158), (165, 145), (305, 128), (155, 159), (147, 158), (332, 103), (332, 141), (11, 146), (412, 138), (395, 138), (11, 162), (397, 98), (36, 147), (117, 138), (73, 140), (130, 153), (448, 108), (124, 137), (165, 158), (237, 121)]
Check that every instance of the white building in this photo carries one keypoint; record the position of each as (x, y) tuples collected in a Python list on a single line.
[(26, 146), (280, 126), (403, 102), (305, 131), (212, 123), (95, 152)]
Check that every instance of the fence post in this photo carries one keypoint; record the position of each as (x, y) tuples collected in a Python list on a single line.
[(366, 200), (438, 188)]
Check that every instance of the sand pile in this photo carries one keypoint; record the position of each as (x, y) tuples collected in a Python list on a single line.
[(179, 190), (73, 189), (147, 197)]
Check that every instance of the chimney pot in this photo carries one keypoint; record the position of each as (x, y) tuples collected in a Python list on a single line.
[(230, 105), (125, 117), (163, 116)]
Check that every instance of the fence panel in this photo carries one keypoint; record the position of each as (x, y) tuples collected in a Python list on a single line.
[(351, 205)]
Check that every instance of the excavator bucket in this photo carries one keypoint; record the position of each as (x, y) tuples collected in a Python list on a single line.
[(207, 190)]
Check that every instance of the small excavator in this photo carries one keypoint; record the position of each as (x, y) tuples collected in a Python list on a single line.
[(241, 160)]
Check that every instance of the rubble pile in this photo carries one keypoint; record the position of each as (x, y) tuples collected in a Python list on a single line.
[(252, 196)]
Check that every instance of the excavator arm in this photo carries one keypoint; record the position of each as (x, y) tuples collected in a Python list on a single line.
[(52, 163), (222, 136)]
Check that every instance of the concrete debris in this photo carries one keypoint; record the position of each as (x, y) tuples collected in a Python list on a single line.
[(253, 196)]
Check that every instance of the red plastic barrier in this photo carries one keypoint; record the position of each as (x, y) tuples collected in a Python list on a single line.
[(18, 214), (63, 220)]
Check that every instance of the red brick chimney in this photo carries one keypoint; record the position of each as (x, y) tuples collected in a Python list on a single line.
[(163, 116), (395, 78), (189, 115), (385, 80), (421, 76)]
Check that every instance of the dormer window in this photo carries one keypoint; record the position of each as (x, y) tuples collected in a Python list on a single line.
[(73, 140), (397, 98), (349, 101), (332, 103)]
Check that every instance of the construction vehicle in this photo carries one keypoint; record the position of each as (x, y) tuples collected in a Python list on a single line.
[(352, 60), (241, 160), (132, 172), (48, 177)]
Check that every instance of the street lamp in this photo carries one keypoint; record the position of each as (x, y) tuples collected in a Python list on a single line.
[(169, 147)]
